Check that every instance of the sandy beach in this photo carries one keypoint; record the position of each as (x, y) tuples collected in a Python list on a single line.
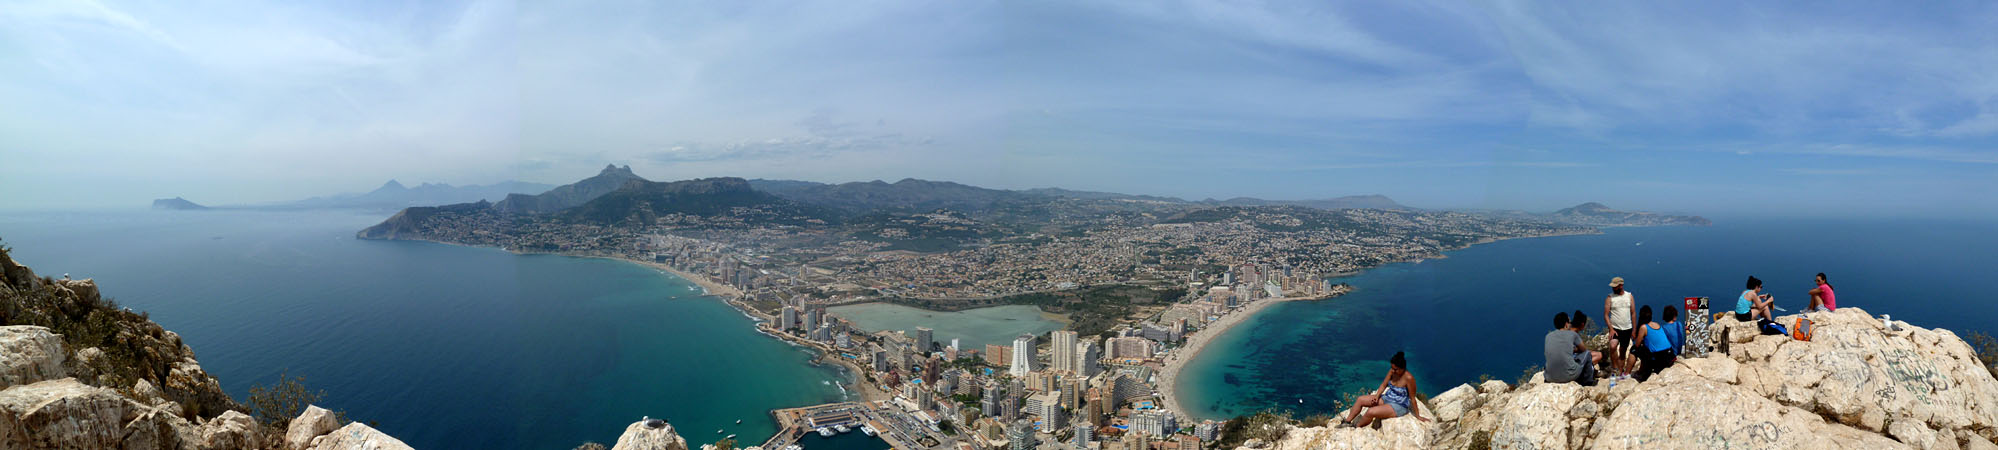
[(1168, 377), (711, 286)]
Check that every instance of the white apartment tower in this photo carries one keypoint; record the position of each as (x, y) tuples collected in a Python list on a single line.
[(1064, 350), (1023, 356)]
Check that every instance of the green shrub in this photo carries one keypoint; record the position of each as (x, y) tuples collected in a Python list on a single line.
[(1269, 426), (1987, 350), (1527, 375), (276, 404)]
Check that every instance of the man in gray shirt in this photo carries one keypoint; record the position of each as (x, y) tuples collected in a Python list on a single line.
[(1567, 360)]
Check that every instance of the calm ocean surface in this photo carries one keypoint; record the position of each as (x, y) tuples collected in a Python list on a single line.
[(442, 346), (1484, 309)]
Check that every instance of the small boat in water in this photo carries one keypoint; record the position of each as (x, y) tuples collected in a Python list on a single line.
[(718, 431), (730, 437), (841, 428), (825, 432), (867, 429), (738, 421)]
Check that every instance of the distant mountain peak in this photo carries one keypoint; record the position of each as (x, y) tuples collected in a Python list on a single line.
[(1598, 214), (566, 196), (176, 203), (392, 185), (1591, 206)]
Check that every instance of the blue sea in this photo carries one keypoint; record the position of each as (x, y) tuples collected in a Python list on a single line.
[(441, 346), (1483, 310)]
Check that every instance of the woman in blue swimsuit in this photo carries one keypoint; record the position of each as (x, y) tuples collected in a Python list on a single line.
[(1396, 398)]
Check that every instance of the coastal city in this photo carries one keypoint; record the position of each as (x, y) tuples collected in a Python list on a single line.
[(1139, 284), (1057, 390), (998, 225)]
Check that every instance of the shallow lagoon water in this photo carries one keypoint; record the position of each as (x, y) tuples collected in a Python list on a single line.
[(973, 327)]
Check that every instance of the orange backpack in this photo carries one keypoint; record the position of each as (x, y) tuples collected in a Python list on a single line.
[(1801, 330)]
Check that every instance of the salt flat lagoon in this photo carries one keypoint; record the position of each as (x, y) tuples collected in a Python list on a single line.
[(1483, 310), (973, 327), (442, 346)]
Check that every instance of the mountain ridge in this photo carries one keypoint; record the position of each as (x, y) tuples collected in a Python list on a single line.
[(570, 195)]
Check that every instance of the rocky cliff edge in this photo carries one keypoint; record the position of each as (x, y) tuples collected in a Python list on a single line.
[(1858, 384), (135, 387)]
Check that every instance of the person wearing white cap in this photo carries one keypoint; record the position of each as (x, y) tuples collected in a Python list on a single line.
[(1616, 310)]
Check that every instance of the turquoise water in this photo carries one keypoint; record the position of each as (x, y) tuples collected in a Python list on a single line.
[(1484, 309), (442, 346), (973, 328)]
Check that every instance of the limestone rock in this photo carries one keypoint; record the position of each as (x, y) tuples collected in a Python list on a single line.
[(357, 436), (17, 275), (63, 414), (1862, 374), (1535, 417), (1917, 436), (191, 386), (29, 354), (88, 365), (1724, 370), (1494, 387), (1397, 433), (314, 422), (1661, 415), (230, 430), (1450, 404), (651, 434), (1975, 442), (158, 427), (85, 289), (146, 393)]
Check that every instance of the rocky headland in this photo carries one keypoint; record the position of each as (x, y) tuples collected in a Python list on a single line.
[(1858, 383), (79, 372)]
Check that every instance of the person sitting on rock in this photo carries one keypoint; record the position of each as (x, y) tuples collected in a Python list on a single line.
[(1753, 303), (1652, 349), (1567, 360), (1675, 331), (1396, 398), (1821, 296), (1579, 323)]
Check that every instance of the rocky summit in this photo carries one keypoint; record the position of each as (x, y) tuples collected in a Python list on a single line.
[(133, 385), (1858, 383)]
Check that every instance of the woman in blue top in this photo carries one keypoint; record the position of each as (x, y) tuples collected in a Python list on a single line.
[(1753, 303), (1653, 347), (1396, 399)]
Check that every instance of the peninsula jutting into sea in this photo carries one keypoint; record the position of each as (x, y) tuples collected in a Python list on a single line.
[(1143, 282)]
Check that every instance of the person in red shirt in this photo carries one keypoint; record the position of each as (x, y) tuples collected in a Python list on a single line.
[(1822, 298)]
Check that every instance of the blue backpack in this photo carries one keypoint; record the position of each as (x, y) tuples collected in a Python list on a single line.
[(1770, 327)]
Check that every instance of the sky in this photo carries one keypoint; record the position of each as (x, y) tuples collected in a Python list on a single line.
[(1722, 108)]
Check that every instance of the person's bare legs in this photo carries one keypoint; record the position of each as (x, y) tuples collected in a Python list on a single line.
[(1817, 302), (1362, 404), (1375, 412)]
